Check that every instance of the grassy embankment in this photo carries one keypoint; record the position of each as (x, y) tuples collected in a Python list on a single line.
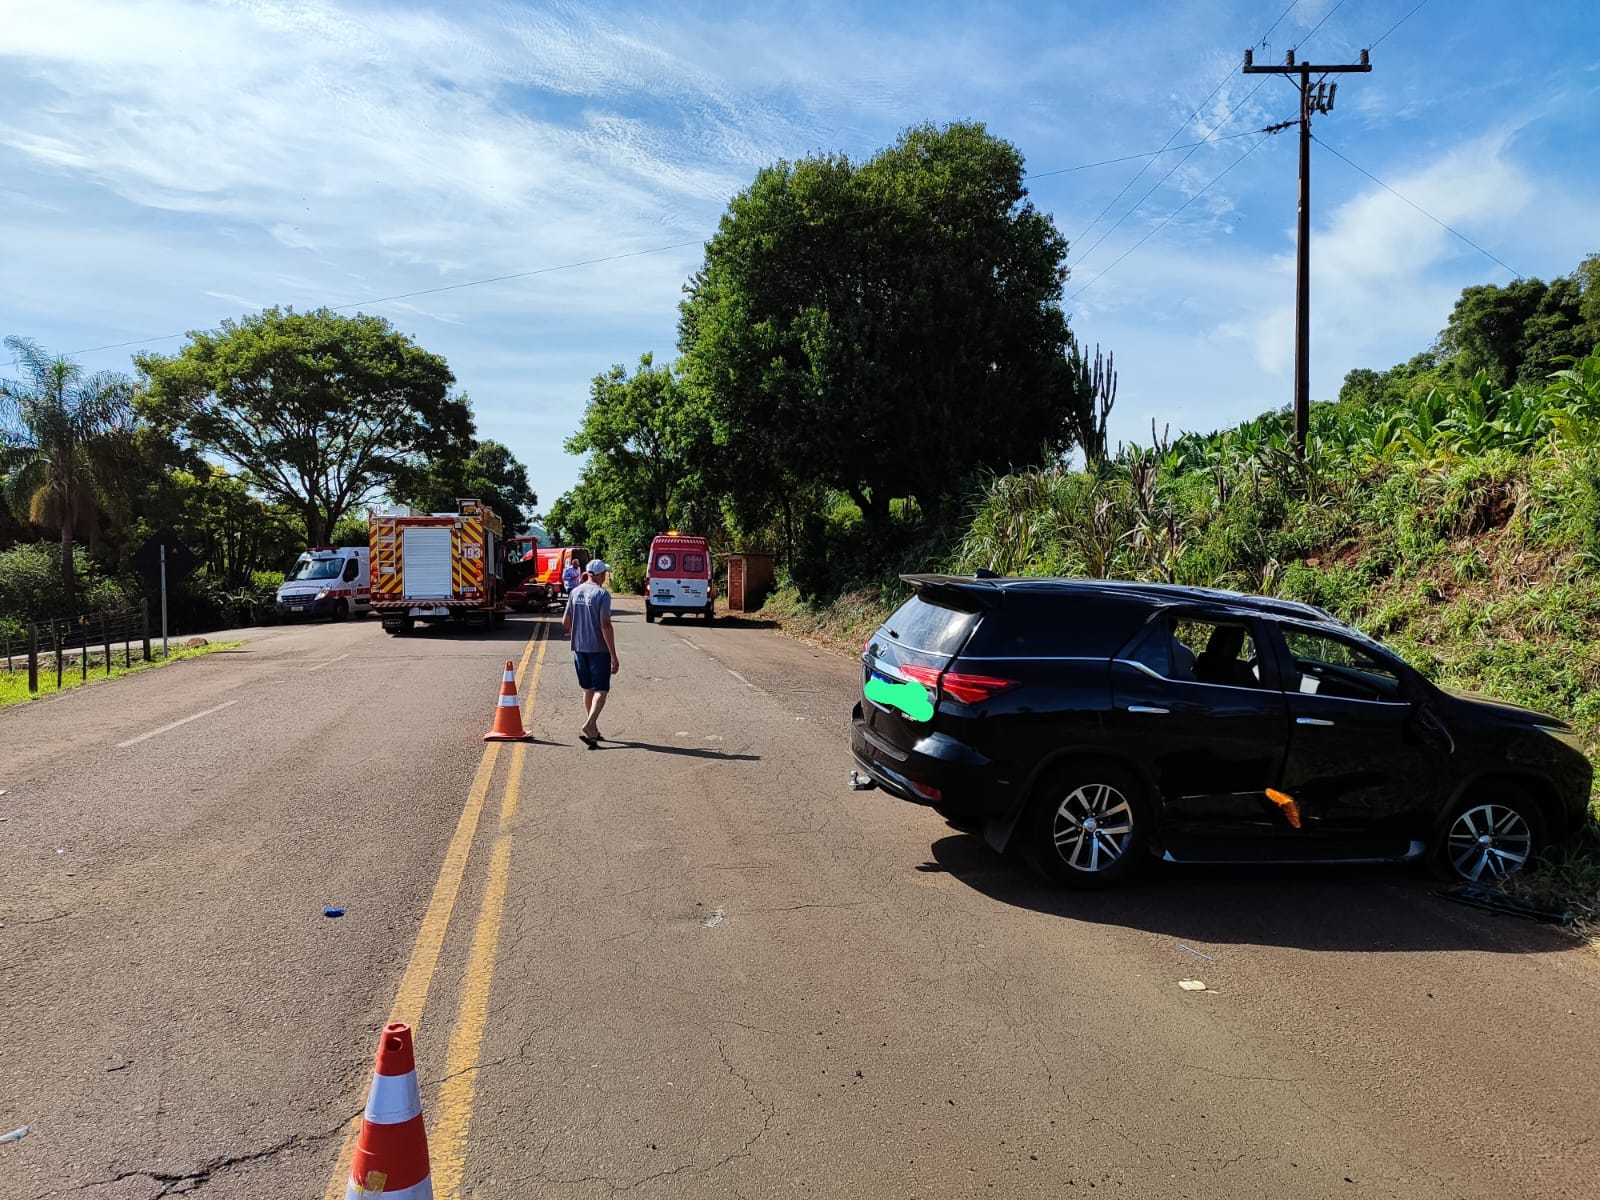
[(1462, 529), (14, 684)]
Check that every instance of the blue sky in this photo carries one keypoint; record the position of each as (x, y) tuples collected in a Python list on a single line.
[(165, 164)]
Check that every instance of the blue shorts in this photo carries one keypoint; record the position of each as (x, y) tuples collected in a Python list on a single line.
[(594, 669)]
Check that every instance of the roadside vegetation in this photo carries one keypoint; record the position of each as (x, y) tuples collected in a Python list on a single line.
[(14, 680)]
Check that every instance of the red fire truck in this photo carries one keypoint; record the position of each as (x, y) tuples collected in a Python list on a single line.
[(526, 591), (446, 567)]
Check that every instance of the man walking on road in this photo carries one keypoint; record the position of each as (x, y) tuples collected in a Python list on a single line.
[(587, 621)]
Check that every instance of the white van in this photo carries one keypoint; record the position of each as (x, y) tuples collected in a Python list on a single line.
[(327, 581)]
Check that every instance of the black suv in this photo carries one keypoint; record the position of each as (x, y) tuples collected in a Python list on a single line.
[(1093, 723)]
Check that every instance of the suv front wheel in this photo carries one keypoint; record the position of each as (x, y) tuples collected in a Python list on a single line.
[(1089, 826), (1490, 835)]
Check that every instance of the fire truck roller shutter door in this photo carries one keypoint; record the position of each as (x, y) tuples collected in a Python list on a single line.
[(426, 555)]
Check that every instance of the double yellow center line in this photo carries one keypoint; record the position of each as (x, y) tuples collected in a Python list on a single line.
[(452, 1109)]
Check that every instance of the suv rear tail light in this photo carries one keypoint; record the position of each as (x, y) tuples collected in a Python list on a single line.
[(974, 689), (968, 689)]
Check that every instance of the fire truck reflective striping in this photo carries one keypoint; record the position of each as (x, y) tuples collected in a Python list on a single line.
[(467, 561)]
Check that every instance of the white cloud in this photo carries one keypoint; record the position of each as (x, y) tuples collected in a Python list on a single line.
[(1375, 260), (169, 163)]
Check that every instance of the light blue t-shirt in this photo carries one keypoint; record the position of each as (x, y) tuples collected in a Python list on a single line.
[(590, 606)]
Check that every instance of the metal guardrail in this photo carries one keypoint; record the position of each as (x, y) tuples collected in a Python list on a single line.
[(55, 643)]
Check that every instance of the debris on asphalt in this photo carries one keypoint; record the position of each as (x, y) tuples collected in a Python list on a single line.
[(1493, 901), (1191, 985), (332, 911), (16, 1135), (1195, 952)]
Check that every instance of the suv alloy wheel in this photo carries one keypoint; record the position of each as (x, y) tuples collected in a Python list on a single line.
[(1491, 835), (1089, 826)]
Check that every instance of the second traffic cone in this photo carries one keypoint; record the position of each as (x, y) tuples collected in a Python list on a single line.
[(391, 1159), (508, 716)]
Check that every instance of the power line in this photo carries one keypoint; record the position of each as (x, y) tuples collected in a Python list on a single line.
[(1174, 137), (1263, 42), (1172, 171), (1516, 274), (1323, 22), (1107, 162), (1395, 26), (1169, 217), (1220, 125)]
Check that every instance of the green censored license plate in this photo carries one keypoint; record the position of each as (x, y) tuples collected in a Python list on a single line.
[(910, 698)]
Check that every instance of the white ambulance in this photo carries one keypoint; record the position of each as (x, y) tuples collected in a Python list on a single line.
[(678, 578), (327, 581)]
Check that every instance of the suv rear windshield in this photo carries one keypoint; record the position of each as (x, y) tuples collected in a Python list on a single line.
[(921, 625)]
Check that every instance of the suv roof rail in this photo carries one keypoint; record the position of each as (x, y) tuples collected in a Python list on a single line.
[(985, 589)]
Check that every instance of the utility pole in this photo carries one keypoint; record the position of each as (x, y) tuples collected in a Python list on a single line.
[(1313, 98)]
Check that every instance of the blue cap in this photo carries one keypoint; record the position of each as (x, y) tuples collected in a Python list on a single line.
[(597, 566)]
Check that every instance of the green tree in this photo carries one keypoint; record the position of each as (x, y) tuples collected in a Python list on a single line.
[(233, 531), (641, 430), (489, 472), (58, 428), (888, 328), (649, 445), (316, 410), (1486, 326), (1521, 331)]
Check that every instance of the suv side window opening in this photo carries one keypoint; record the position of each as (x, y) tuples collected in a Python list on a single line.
[(1189, 649), (1327, 665)]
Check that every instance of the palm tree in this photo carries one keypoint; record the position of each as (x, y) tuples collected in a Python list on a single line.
[(56, 430)]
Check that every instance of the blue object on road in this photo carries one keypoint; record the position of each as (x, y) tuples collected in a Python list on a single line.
[(333, 912)]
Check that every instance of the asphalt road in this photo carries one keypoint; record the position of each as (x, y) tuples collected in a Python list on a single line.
[(691, 964)]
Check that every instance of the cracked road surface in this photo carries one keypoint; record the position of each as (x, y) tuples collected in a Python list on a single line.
[(691, 964)]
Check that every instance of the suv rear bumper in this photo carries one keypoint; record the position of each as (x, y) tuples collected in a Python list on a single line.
[(938, 771)]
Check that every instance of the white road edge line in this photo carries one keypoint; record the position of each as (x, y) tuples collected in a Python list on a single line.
[(329, 663), (181, 721), (742, 679)]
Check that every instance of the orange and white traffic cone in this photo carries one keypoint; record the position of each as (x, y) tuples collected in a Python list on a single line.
[(392, 1152), (508, 717)]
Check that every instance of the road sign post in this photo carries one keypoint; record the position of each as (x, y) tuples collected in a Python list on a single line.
[(161, 557)]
